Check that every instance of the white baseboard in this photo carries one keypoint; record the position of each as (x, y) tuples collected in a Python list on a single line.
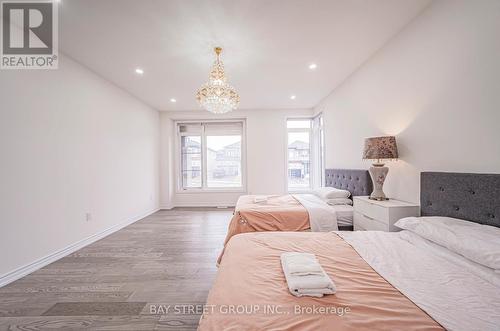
[(40, 263), (202, 205)]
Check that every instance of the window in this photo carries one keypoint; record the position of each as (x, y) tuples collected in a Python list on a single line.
[(299, 154), (211, 155), (305, 153), (191, 161)]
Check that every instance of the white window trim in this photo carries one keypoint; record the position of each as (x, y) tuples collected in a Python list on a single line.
[(177, 159), (287, 130), (319, 154)]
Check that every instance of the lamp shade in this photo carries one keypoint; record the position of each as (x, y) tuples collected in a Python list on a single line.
[(380, 148)]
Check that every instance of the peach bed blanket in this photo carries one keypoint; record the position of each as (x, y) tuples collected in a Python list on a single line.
[(250, 290), (276, 213)]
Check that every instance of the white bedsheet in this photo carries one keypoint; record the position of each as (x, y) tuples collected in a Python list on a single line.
[(479, 270), (449, 292), (322, 216), (345, 214)]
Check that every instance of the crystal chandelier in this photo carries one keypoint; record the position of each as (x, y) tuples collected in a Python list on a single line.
[(217, 96)]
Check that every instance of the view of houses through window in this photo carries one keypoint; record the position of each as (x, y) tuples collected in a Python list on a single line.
[(211, 155), (224, 161), (305, 156), (191, 161), (299, 154)]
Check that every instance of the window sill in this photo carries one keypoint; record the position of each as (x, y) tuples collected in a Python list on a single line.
[(198, 191)]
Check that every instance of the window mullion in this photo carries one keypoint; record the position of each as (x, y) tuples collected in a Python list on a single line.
[(204, 158), (311, 156)]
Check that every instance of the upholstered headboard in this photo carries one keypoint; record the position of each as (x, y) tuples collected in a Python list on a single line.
[(358, 182), (472, 197)]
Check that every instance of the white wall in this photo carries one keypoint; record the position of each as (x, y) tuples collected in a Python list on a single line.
[(71, 143), (266, 148), (436, 86)]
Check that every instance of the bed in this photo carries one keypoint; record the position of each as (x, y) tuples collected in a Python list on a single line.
[(295, 212), (385, 281)]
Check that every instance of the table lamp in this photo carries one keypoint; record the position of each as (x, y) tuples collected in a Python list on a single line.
[(379, 149)]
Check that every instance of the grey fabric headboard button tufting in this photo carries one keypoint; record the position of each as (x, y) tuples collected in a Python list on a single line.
[(358, 182), (472, 197)]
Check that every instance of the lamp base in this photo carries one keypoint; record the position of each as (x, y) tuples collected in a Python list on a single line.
[(378, 174)]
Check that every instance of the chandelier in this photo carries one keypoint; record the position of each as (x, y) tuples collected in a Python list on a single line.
[(217, 96)]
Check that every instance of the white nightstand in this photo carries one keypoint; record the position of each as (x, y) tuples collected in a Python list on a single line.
[(372, 215)]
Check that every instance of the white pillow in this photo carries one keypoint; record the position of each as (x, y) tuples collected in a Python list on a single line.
[(326, 193), (477, 242), (339, 201)]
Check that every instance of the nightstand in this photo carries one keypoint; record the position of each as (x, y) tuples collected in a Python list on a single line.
[(372, 215)]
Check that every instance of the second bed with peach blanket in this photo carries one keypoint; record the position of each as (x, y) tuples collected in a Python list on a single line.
[(275, 213), (294, 213)]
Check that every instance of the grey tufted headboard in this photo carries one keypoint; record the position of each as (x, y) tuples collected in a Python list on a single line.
[(358, 182), (472, 197)]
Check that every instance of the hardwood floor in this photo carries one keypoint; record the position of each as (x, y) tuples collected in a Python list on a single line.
[(127, 280)]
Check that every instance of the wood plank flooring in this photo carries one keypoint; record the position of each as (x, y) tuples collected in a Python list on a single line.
[(121, 281)]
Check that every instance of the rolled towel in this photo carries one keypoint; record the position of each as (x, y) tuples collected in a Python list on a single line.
[(303, 283)]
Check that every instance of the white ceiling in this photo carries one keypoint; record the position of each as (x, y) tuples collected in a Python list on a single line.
[(268, 45)]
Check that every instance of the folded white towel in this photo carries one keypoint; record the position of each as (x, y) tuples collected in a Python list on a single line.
[(339, 201), (259, 198), (302, 264), (306, 281)]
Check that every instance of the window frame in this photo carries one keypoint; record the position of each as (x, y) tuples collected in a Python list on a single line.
[(318, 153), (179, 189)]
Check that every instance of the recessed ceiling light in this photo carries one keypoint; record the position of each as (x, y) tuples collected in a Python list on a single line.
[(173, 100), (293, 97), (313, 66), (139, 71)]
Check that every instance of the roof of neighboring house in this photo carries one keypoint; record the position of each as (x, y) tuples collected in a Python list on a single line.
[(192, 143), (234, 145), (298, 144)]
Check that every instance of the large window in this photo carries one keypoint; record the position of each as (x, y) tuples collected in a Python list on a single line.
[(211, 155), (305, 153)]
